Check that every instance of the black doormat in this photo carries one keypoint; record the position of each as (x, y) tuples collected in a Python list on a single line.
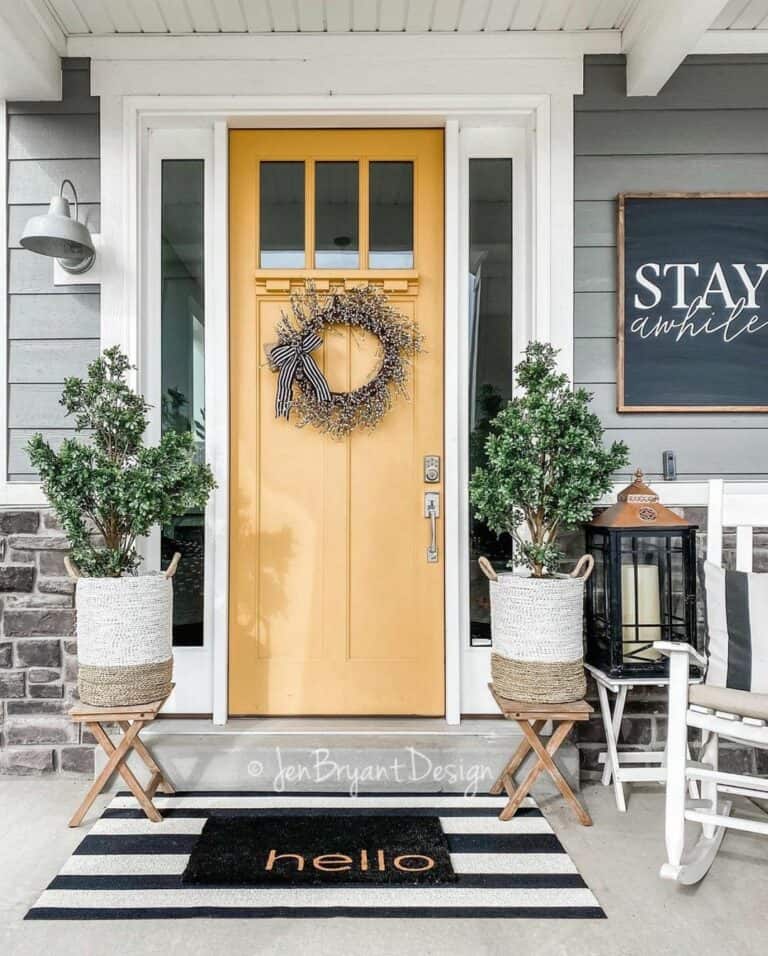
[(331, 850)]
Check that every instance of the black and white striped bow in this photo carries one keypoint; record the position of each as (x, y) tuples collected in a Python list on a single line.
[(293, 360)]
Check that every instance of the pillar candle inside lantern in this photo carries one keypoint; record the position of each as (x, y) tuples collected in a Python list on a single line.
[(648, 611)]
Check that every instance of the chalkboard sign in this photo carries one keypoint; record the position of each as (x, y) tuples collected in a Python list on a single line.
[(693, 302)]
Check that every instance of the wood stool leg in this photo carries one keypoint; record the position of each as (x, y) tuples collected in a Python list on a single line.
[(558, 736), (546, 754), (124, 770), (115, 757), (159, 781), (507, 774)]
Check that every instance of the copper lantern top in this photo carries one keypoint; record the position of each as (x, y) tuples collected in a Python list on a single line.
[(638, 507)]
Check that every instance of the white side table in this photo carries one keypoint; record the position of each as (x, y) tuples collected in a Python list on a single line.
[(614, 761)]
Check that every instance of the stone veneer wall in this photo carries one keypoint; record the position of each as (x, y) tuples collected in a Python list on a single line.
[(644, 726), (38, 663)]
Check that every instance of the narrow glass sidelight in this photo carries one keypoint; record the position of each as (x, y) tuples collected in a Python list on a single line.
[(490, 350), (183, 372), (337, 241), (281, 215), (391, 215)]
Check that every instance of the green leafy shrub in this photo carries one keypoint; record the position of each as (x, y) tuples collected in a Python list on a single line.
[(111, 490), (545, 462)]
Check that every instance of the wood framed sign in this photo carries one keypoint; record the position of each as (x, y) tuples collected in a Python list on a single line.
[(693, 302)]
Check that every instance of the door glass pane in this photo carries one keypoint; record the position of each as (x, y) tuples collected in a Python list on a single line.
[(490, 350), (182, 343), (337, 243), (391, 216), (281, 216)]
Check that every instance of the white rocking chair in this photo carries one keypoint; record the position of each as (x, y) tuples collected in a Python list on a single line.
[(737, 715)]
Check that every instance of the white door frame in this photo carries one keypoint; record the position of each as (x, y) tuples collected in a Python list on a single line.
[(126, 125)]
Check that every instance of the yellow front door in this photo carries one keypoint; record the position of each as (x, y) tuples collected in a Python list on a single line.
[(334, 606)]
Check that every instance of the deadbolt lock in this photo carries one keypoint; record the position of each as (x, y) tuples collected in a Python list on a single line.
[(431, 469)]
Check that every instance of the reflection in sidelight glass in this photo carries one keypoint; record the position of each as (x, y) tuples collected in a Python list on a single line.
[(281, 215), (336, 216), (391, 215), (490, 350), (182, 345)]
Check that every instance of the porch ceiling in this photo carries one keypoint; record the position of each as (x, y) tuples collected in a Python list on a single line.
[(180, 17), (655, 35)]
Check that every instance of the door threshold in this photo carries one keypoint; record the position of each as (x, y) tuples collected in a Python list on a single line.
[(491, 726)]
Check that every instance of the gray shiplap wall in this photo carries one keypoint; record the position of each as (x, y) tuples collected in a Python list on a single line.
[(52, 332), (706, 130)]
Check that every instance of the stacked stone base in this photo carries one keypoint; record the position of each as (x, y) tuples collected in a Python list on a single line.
[(38, 651)]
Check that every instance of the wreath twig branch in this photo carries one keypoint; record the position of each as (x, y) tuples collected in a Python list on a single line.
[(365, 308)]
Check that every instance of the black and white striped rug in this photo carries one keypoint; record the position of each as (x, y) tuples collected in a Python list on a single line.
[(130, 868)]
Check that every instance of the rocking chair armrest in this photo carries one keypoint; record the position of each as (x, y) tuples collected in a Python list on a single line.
[(678, 647)]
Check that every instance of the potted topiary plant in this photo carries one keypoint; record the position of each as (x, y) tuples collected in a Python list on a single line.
[(108, 491), (545, 468)]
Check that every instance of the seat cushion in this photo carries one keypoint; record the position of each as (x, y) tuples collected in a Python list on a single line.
[(737, 624), (740, 702)]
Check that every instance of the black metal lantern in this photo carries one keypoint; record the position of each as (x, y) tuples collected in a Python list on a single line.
[(643, 587)]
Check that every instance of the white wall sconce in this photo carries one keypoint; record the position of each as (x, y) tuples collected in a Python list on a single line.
[(58, 235)]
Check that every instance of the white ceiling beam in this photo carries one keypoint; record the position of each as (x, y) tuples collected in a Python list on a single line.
[(555, 44), (732, 41), (30, 66), (658, 37)]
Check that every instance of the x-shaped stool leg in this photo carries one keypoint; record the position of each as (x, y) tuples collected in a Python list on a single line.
[(544, 762), (116, 762)]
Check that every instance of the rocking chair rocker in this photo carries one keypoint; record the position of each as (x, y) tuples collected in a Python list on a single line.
[(738, 715)]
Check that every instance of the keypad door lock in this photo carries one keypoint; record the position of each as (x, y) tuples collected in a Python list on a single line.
[(431, 469)]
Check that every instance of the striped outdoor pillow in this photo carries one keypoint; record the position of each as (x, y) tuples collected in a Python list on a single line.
[(737, 620)]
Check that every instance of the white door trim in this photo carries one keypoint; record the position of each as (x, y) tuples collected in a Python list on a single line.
[(126, 122)]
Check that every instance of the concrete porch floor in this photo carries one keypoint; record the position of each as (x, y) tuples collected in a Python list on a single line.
[(619, 858)]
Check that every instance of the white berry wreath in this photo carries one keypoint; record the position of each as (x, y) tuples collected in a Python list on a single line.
[(301, 386)]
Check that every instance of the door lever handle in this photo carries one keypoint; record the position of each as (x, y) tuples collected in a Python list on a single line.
[(432, 511)]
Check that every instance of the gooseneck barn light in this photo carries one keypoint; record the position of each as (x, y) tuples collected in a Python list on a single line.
[(58, 235)]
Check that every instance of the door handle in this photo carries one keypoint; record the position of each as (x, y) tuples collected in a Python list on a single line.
[(432, 512)]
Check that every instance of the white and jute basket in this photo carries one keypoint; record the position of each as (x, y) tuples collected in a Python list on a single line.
[(537, 631), (124, 638)]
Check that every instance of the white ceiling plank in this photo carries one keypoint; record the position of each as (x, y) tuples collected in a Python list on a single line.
[(30, 68), (310, 16), (338, 15), (365, 15), (230, 16), (96, 15), (732, 10), (473, 16), (50, 24), (607, 14), (392, 16), (499, 15), (526, 15), (284, 18), (69, 16), (203, 14), (751, 16), (445, 15), (581, 14), (177, 17), (658, 39), (149, 16), (419, 16), (258, 17), (553, 14), (122, 16)]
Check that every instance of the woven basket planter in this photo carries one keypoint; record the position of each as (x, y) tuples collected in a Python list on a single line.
[(124, 639), (537, 629)]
